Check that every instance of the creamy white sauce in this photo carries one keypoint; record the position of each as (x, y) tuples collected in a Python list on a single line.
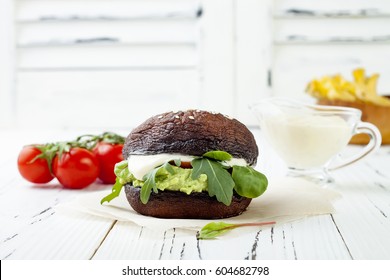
[(307, 142), (237, 161), (140, 165)]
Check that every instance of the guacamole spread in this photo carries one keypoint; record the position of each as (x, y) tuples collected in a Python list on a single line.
[(224, 179), (180, 180)]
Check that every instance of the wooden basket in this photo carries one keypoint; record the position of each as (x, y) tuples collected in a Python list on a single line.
[(375, 114)]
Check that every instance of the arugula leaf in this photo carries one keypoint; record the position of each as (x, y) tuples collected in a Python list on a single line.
[(245, 181), (150, 181), (168, 168), (116, 190), (177, 162), (218, 155), (220, 183), (123, 176), (214, 229), (249, 182), (122, 172)]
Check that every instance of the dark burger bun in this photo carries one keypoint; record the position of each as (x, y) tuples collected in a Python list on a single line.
[(179, 205), (192, 132)]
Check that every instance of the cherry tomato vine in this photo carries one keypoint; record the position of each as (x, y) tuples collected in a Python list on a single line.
[(76, 164)]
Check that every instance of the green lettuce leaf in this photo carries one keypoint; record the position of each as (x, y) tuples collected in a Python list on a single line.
[(123, 176), (214, 229), (218, 155), (150, 181), (246, 181), (249, 182)]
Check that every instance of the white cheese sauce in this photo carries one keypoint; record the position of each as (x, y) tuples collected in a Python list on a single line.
[(307, 142), (140, 165)]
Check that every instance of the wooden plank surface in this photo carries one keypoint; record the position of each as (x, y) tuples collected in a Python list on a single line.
[(32, 229), (364, 212)]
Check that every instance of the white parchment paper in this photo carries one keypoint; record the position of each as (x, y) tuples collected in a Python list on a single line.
[(286, 199)]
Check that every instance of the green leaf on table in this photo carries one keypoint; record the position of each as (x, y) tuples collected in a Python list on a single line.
[(214, 229), (220, 182), (249, 182)]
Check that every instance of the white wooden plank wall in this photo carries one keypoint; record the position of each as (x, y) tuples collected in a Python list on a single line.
[(253, 39), (7, 72), (76, 61), (89, 63), (235, 47), (317, 38)]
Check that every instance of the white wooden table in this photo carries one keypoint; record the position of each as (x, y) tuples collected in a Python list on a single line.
[(30, 228)]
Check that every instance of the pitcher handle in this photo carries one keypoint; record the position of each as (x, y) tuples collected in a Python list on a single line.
[(373, 144)]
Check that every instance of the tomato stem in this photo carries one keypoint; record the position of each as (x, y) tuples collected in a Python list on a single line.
[(87, 141)]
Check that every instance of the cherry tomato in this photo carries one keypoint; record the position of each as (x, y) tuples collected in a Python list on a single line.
[(35, 171), (108, 155), (185, 164), (76, 169)]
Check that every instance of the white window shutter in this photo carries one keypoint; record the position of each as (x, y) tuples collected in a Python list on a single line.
[(112, 63), (90, 63), (317, 38), (7, 78)]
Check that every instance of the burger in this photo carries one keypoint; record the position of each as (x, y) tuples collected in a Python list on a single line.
[(189, 164)]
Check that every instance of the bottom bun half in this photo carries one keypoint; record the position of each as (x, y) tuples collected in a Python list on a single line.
[(179, 205)]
